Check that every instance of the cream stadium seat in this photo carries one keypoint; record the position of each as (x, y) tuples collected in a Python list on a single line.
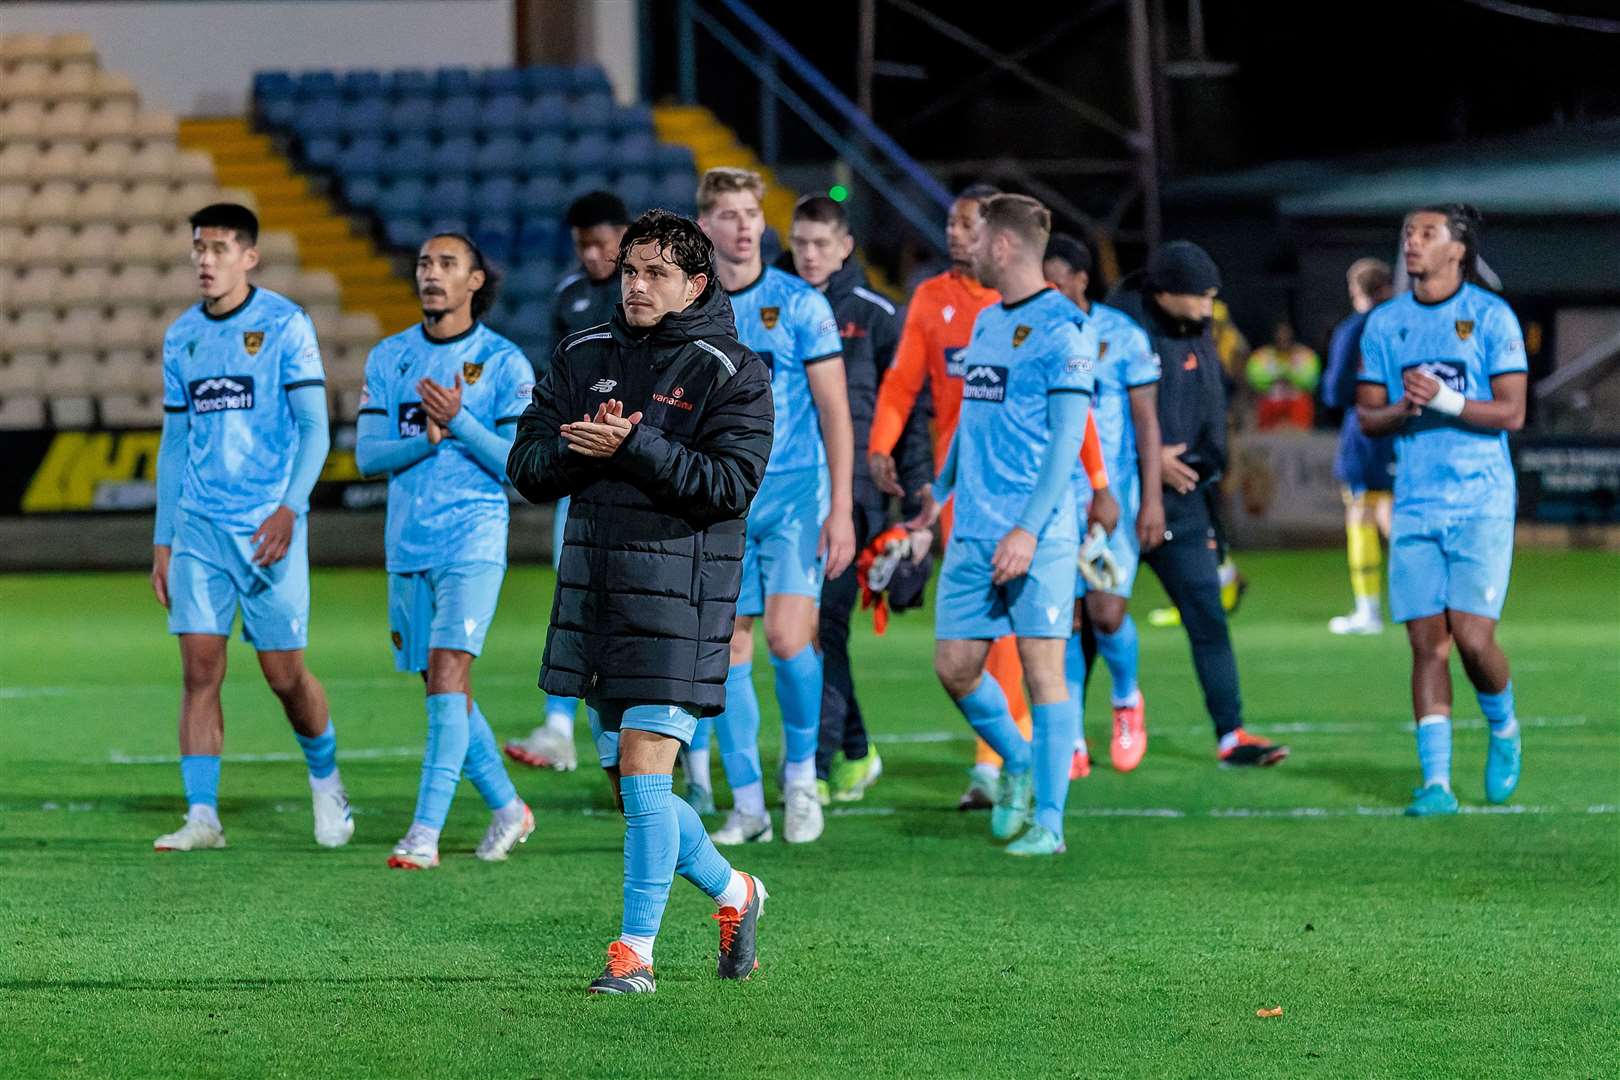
[(132, 410), (240, 196), (16, 48), (103, 200), (72, 47), (176, 284), (155, 126), (193, 166), (45, 245), (86, 287), (25, 82), (56, 201), (21, 373), (277, 248), (62, 161), (38, 288), (30, 332), (114, 120), (93, 244), (112, 86), (135, 285), (280, 278), (8, 286), (144, 243), (127, 329), (69, 372), (153, 161), (107, 161), (74, 81), (316, 288), (11, 237), (22, 413), (187, 199), (21, 119), (359, 329), (68, 121), (17, 158), (147, 200), (129, 371), (80, 331), (13, 202)]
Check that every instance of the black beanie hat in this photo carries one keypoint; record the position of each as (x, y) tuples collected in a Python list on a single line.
[(1182, 267)]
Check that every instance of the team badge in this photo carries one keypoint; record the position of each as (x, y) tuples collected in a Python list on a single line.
[(253, 341), (768, 316), (471, 372), (1020, 335), (1465, 329), (1102, 349)]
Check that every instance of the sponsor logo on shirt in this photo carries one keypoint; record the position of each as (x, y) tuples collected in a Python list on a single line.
[(674, 399), (525, 391), (220, 393), (852, 330), (769, 316), (602, 386), (956, 362), (1077, 363), (1020, 335), (827, 327), (1191, 363), (412, 419), (1452, 373), (471, 372), (253, 341), (1465, 329), (365, 396), (985, 382)]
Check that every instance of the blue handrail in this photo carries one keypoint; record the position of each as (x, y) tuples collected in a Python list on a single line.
[(846, 108)]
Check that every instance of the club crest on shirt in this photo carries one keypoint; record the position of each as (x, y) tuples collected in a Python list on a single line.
[(1102, 349), (1020, 335), (769, 315), (253, 341), (1465, 329), (471, 372)]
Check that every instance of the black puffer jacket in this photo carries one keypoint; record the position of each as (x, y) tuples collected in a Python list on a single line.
[(1192, 398), (652, 557)]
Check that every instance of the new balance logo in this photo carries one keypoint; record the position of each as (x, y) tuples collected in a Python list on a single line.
[(221, 393), (602, 386)]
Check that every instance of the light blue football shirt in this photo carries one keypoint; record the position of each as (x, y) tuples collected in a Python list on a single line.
[(1016, 358), (1125, 361), (446, 508), (232, 374), (791, 326), (1443, 464)]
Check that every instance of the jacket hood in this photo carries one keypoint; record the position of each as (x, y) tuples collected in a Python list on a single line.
[(709, 316), (1132, 297)]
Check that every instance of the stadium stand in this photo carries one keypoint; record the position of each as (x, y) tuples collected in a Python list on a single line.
[(94, 193), (496, 153)]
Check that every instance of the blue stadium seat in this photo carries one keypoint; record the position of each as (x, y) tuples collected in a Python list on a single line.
[(411, 115), (636, 189), (369, 117), (496, 197), (274, 86), (501, 156), (314, 123), (670, 158), (589, 79), (547, 80), (540, 237), (637, 118), (675, 191), (637, 150), (362, 157), (443, 223), (502, 115), (455, 156), (448, 197), (591, 154), (587, 182), (547, 154), (322, 152), (548, 112), (279, 113), (594, 112), (405, 232), (529, 280), (455, 80), (317, 85), (362, 192), (411, 156), (402, 198), (530, 319), (361, 84), (543, 197), (495, 241), (457, 115), (411, 82), (499, 82)]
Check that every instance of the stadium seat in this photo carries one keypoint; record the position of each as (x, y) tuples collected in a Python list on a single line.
[(103, 200), (361, 84), (455, 156), (154, 124), (635, 150), (20, 372), (91, 245), (592, 153), (13, 203), (114, 120), (632, 118), (129, 328), (177, 284), (147, 201), (454, 80), (17, 160), (367, 118), (322, 152), (145, 243), (543, 196), (410, 156), (278, 248), (60, 161), (54, 202), (21, 119), (502, 115), (501, 156), (402, 198), (273, 86), (411, 115), (281, 279), (495, 239), (587, 182), (590, 79), (314, 288), (542, 239), (546, 80), (676, 159), (313, 85), (323, 122), (414, 82), (496, 197), (30, 332), (457, 116), (362, 192), (675, 191), (66, 121), (279, 113), (187, 199), (548, 112), (636, 189), (362, 157), (153, 161), (529, 281), (498, 82), (132, 410), (36, 289), (192, 166), (547, 154), (85, 287), (593, 112), (106, 161)]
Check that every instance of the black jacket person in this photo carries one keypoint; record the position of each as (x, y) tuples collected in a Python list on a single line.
[(1171, 301)]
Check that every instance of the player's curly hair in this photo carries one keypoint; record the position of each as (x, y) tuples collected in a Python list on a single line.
[(484, 297), (1463, 222), (677, 237)]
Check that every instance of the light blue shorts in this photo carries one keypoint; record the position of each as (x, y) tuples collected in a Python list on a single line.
[(784, 530), (609, 717), (1446, 562), (447, 607), (1038, 605), (559, 526), (211, 574), (1123, 546)]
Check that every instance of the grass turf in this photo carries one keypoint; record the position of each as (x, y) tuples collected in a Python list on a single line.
[(904, 944)]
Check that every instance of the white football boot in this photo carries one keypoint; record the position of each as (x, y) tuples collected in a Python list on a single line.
[(504, 834), (415, 851), (197, 834), (741, 828), (804, 823), (545, 749), (334, 825)]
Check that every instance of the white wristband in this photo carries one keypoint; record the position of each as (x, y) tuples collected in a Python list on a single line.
[(1446, 400)]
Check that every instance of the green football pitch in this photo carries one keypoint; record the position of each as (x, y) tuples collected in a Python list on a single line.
[(904, 944)]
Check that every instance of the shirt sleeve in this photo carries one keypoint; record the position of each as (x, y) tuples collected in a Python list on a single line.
[(1142, 366), (1071, 360), (815, 331), (374, 394), (897, 393), (1374, 366), (300, 354), (1504, 343), (516, 388), (175, 398)]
